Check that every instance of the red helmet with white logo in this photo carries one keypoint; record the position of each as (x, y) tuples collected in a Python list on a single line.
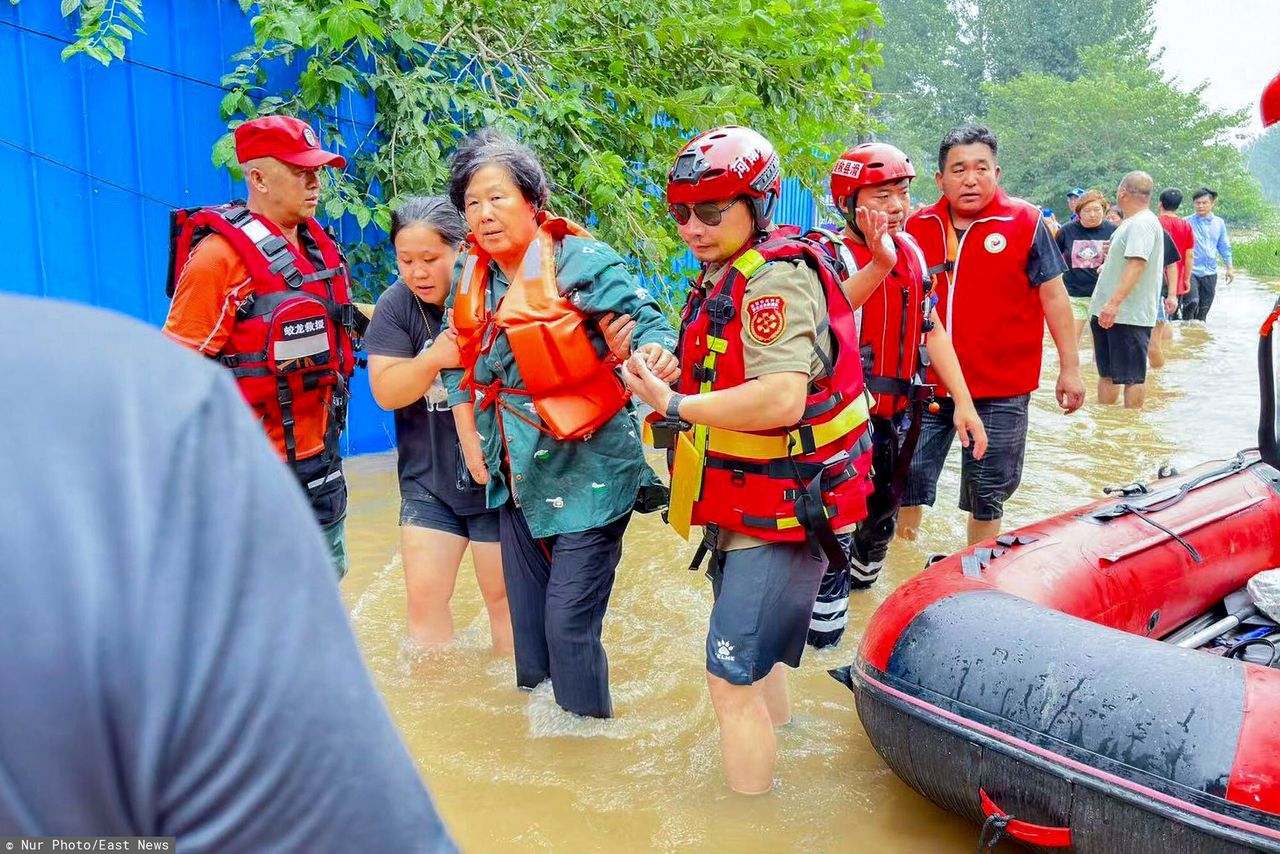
[(1271, 103), (724, 163), (866, 165)]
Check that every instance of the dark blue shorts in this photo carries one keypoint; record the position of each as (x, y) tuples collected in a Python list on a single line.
[(985, 484), (763, 604), (426, 511)]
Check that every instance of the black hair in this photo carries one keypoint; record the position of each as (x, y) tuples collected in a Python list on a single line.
[(1171, 199), (435, 212), (965, 135), (489, 147), (1204, 191)]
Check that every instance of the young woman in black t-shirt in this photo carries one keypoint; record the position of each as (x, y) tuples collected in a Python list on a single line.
[(442, 510)]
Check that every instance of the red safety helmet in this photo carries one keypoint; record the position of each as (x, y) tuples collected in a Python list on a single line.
[(724, 163), (864, 166), (1271, 103)]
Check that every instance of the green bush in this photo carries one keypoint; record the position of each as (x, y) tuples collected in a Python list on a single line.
[(1259, 256)]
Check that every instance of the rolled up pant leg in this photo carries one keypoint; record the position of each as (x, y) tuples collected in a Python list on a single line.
[(583, 568)]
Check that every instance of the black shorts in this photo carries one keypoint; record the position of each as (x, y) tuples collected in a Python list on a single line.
[(1120, 353), (985, 484), (763, 604), (424, 510)]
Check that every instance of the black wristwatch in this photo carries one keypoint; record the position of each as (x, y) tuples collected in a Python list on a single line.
[(673, 406)]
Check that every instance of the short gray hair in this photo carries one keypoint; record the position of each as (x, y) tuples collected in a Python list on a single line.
[(489, 147)]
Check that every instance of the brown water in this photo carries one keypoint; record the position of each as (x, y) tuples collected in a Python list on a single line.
[(511, 770)]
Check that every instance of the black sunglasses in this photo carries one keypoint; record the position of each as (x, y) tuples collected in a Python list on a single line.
[(708, 213)]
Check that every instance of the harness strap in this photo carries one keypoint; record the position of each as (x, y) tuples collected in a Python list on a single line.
[(285, 398), (755, 446)]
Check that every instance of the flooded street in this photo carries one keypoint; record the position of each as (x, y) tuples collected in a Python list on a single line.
[(512, 771)]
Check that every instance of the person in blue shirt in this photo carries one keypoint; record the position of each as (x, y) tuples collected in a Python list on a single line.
[(1212, 245), (177, 658)]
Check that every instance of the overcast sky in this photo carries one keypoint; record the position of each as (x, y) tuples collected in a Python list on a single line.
[(1231, 44)]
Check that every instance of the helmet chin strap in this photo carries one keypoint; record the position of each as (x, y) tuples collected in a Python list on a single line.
[(762, 211), (849, 218)]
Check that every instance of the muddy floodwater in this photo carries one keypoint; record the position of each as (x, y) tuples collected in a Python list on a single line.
[(511, 771)]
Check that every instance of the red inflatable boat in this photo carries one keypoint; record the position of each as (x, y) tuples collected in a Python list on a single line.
[(1023, 685), (1047, 684)]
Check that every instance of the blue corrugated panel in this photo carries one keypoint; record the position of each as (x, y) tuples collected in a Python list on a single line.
[(94, 158)]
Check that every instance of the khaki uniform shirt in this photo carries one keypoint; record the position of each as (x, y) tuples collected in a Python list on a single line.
[(802, 307)]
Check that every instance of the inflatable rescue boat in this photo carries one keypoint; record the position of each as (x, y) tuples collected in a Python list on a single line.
[(1048, 684)]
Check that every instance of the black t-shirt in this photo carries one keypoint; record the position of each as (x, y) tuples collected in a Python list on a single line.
[(1081, 249), (1044, 262), (429, 459)]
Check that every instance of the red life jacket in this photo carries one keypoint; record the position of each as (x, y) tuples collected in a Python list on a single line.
[(784, 484), (985, 300), (895, 320), (573, 388), (291, 347)]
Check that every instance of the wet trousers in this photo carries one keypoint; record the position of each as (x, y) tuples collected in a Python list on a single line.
[(869, 544), (558, 590)]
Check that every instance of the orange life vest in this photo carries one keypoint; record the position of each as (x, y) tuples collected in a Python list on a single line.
[(573, 388)]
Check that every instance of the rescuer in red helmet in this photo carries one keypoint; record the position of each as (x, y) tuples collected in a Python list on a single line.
[(901, 336), (767, 430)]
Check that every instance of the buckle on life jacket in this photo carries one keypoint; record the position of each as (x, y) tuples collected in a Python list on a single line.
[(662, 433)]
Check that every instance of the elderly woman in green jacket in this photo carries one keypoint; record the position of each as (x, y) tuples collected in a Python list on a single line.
[(556, 440)]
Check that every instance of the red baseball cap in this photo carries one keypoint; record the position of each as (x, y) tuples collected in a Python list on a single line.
[(284, 138)]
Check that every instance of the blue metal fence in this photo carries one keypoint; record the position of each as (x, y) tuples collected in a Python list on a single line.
[(95, 157)]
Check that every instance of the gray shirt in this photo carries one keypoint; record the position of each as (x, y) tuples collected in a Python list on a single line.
[(1139, 236), (176, 657)]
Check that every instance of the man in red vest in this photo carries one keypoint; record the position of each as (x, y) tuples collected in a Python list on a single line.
[(998, 276), (262, 288)]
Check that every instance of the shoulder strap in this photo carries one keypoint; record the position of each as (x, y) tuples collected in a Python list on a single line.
[(271, 262)]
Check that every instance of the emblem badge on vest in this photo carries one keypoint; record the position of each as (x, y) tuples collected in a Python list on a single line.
[(995, 243), (766, 319), (309, 137)]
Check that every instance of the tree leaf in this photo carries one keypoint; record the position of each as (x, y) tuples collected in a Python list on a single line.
[(69, 6)]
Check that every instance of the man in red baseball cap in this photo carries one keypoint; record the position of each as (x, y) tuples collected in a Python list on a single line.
[(263, 288)]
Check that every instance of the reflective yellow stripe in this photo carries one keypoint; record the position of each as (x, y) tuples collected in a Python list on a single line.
[(716, 345), (686, 483), (748, 262), (752, 446)]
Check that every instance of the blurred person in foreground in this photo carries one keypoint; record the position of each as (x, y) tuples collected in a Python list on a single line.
[(177, 658)]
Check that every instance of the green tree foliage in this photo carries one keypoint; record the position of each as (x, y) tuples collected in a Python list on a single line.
[(938, 53), (604, 93), (1263, 157), (1119, 115), (105, 27), (1015, 37), (929, 80), (1070, 86)]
